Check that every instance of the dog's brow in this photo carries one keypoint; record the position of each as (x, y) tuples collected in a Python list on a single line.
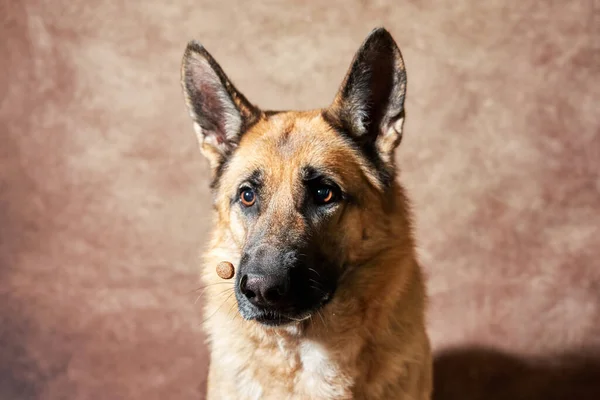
[(255, 178), (309, 173)]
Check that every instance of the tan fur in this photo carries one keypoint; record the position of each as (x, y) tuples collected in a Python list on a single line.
[(369, 342)]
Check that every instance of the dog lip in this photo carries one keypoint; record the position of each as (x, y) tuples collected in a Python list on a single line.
[(272, 319), (278, 319)]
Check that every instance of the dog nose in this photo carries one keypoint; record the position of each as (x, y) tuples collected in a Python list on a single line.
[(266, 291)]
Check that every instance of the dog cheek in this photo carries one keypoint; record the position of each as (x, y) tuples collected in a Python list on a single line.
[(356, 236), (237, 226)]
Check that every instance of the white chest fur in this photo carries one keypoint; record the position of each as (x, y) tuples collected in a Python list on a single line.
[(308, 371), (320, 376)]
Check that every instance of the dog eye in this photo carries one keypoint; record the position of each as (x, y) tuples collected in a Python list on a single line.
[(248, 197), (324, 194)]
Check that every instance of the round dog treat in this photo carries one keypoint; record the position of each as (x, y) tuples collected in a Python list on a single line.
[(225, 270)]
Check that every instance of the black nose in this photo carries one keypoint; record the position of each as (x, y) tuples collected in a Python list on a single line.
[(266, 291)]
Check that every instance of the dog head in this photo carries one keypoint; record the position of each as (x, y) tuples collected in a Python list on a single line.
[(303, 195)]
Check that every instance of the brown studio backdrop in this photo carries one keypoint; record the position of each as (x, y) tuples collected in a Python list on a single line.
[(104, 200)]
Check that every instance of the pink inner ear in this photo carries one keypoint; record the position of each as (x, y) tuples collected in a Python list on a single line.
[(207, 97), (216, 106)]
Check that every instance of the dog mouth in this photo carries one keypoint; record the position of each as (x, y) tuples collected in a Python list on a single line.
[(283, 298), (279, 318), (274, 319)]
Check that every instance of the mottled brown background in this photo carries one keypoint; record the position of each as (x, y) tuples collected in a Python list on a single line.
[(104, 204)]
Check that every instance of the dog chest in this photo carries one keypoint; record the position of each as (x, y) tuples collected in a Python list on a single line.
[(320, 375), (291, 370)]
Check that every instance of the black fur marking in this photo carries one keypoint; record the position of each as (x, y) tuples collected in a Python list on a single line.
[(314, 178), (371, 99), (309, 173), (252, 181), (270, 113), (255, 178), (218, 174)]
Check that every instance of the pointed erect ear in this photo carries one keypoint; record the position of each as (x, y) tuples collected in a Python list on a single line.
[(369, 105), (220, 113)]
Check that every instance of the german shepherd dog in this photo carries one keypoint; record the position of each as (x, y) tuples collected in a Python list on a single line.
[(330, 298)]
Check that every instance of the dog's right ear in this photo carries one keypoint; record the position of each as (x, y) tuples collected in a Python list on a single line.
[(220, 113)]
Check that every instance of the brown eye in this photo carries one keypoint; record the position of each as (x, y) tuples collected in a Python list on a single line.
[(324, 194), (248, 197)]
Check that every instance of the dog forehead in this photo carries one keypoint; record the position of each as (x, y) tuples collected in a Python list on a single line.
[(292, 138)]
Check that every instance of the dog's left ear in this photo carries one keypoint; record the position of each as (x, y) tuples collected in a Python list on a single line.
[(221, 114), (370, 102)]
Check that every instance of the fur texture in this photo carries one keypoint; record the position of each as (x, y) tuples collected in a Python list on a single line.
[(369, 341), (104, 200)]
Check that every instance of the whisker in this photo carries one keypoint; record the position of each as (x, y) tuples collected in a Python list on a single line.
[(323, 319), (317, 284), (300, 319), (217, 295), (205, 288), (209, 285), (218, 308), (224, 291), (231, 309), (315, 271), (318, 332), (318, 289)]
